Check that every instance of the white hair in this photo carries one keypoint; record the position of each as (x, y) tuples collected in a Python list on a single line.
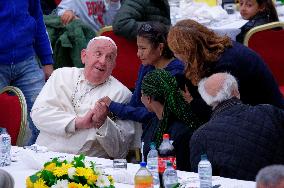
[(226, 92), (103, 38), (270, 176)]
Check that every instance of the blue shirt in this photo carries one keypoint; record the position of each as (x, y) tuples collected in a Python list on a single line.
[(22, 32), (135, 110)]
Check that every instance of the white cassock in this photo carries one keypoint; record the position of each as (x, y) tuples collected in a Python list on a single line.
[(67, 95)]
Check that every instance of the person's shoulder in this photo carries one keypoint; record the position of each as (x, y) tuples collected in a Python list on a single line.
[(118, 86)]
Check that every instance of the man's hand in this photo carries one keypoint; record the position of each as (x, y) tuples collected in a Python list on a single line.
[(47, 69), (105, 100), (67, 17), (85, 122), (99, 114)]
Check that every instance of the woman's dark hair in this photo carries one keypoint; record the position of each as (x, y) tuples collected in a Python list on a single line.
[(269, 9), (156, 33)]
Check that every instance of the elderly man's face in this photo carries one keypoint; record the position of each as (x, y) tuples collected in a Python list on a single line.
[(99, 59)]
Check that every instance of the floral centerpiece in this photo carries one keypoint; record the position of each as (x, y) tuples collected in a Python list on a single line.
[(78, 173)]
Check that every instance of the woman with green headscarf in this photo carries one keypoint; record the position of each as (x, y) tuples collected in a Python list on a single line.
[(161, 95)]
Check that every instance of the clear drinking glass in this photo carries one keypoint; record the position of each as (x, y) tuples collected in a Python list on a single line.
[(119, 164)]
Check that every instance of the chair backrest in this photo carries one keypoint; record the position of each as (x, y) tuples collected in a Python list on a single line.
[(13, 113), (268, 41), (127, 62)]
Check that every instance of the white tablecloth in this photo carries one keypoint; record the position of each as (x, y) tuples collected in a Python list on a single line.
[(20, 171)]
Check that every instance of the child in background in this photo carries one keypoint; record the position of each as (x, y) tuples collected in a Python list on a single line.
[(258, 12)]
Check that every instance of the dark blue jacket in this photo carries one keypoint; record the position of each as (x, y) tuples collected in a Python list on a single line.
[(240, 139), (179, 133), (256, 82), (22, 32), (135, 110)]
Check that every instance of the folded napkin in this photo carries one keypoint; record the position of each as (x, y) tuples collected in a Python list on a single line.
[(28, 157), (123, 176)]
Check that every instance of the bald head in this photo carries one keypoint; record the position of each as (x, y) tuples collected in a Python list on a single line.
[(215, 83), (218, 88)]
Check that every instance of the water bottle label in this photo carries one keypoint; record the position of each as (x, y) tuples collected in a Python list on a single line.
[(162, 161)]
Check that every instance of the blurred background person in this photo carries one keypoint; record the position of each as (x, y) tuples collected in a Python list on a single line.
[(257, 12), (6, 180), (270, 177), (134, 13), (95, 13), (23, 39)]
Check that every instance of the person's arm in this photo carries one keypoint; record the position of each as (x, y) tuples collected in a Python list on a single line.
[(128, 18), (126, 111), (66, 10), (52, 111), (42, 44), (117, 136)]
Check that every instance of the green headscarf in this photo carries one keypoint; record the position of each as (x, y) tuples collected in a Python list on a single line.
[(160, 84)]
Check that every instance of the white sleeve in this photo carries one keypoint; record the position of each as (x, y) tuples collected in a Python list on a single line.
[(52, 111), (116, 137), (66, 5)]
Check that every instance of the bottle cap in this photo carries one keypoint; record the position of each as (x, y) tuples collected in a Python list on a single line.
[(169, 163), (3, 130), (152, 145), (203, 156), (166, 136), (143, 164)]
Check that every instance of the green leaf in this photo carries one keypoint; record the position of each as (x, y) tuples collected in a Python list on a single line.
[(48, 177), (34, 178)]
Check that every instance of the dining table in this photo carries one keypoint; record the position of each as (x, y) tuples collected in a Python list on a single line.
[(26, 162)]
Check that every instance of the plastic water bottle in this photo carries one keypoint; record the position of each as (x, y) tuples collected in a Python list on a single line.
[(152, 164), (5, 148), (205, 172), (143, 177), (170, 178)]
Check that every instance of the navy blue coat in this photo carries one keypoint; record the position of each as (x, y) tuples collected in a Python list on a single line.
[(240, 139), (256, 82)]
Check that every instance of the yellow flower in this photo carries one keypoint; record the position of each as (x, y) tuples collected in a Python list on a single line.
[(62, 170), (40, 183), (92, 179), (50, 167), (79, 185), (86, 172), (111, 180), (29, 183), (72, 185)]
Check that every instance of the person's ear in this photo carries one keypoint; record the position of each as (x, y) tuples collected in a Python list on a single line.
[(83, 56), (161, 48)]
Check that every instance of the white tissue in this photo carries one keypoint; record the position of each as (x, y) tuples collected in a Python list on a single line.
[(28, 157), (123, 176)]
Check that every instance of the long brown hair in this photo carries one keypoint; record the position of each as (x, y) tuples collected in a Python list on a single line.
[(198, 46)]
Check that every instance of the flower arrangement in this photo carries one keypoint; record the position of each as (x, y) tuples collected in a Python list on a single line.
[(75, 174)]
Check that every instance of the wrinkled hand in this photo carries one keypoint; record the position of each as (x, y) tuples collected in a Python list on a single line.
[(105, 100), (67, 17), (47, 69), (99, 114), (86, 121), (186, 95)]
